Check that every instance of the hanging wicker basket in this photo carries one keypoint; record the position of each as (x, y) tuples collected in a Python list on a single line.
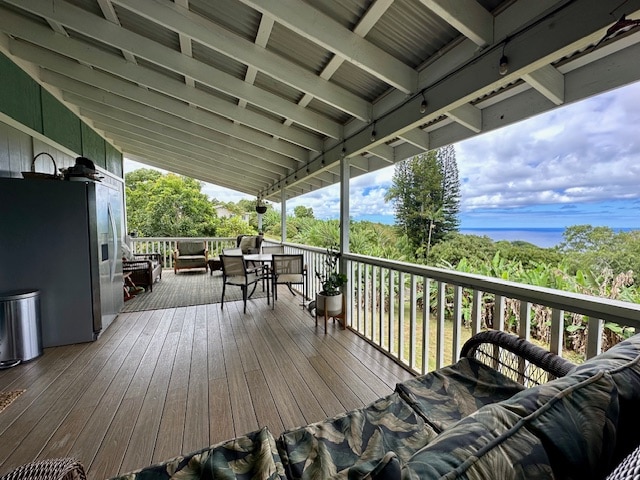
[(39, 175)]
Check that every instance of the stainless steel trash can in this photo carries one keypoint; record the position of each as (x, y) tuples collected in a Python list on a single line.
[(20, 337)]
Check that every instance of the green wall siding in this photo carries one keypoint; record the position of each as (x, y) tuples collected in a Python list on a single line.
[(60, 124), (93, 146), (19, 95), (114, 160), (24, 100)]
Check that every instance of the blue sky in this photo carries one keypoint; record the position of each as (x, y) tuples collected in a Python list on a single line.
[(579, 164)]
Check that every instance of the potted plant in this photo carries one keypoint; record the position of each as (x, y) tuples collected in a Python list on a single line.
[(260, 207), (329, 299)]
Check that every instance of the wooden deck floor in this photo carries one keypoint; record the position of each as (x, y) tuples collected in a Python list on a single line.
[(164, 382)]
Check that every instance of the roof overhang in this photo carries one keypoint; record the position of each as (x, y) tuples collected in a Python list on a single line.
[(263, 96)]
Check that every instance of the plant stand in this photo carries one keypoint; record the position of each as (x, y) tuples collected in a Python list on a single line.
[(341, 315)]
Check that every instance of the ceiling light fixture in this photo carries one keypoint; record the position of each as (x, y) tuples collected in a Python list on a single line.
[(503, 67), (373, 132), (423, 105)]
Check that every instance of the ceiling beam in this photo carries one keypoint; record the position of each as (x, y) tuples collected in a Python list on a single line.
[(467, 16), (313, 25), (82, 90), (104, 31), (549, 82), (220, 39), (467, 115), (58, 69), (226, 159), (417, 137), (35, 33)]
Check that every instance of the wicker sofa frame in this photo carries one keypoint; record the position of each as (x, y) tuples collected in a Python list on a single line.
[(145, 269)]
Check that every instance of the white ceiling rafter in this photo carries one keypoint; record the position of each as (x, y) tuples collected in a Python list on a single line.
[(291, 128), (466, 16), (217, 38), (102, 30), (549, 82), (366, 23), (313, 25)]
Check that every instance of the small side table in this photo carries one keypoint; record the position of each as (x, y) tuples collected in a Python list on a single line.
[(214, 264)]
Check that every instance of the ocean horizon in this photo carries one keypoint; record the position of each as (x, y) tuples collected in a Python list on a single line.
[(541, 237)]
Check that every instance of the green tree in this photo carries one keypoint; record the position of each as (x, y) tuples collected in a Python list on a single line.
[(303, 212), (426, 194), (168, 206), (598, 249), (450, 190)]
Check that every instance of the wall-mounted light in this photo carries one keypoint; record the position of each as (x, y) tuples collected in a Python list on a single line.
[(423, 105), (503, 67)]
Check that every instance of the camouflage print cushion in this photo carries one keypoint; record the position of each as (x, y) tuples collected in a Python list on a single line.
[(562, 429), (252, 456), (482, 446), (323, 449), (622, 362), (449, 394)]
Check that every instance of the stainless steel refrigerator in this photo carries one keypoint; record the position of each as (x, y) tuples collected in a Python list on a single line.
[(63, 239)]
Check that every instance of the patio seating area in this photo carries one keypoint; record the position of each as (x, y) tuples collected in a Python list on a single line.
[(164, 382)]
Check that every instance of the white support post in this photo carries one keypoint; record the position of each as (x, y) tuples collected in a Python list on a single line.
[(283, 216), (344, 227)]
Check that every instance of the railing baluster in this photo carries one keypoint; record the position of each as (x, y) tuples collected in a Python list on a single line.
[(374, 303), (413, 331), (557, 331), (476, 312), (442, 299), (594, 339), (383, 297), (401, 306), (367, 300), (524, 332), (457, 322), (498, 313), (426, 321), (392, 304)]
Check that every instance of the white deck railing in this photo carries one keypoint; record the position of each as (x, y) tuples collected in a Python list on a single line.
[(396, 319), (166, 245), (386, 305)]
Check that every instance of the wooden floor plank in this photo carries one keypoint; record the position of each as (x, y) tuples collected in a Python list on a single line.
[(59, 397), (145, 431), (196, 425), (158, 384), (244, 418), (114, 446), (171, 431)]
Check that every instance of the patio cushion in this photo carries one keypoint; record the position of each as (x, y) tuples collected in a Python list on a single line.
[(251, 456), (562, 429), (444, 396), (191, 248), (325, 448)]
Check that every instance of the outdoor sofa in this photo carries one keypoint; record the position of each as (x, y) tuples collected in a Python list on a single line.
[(475, 419)]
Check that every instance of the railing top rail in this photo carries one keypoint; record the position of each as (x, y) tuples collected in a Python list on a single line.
[(596, 307), (174, 239)]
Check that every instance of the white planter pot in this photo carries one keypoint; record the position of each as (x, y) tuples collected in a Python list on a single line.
[(332, 304)]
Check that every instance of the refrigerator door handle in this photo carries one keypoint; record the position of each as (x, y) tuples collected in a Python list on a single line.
[(114, 238)]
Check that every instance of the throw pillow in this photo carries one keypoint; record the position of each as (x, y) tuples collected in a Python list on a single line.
[(127, 254), (247, 243)]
